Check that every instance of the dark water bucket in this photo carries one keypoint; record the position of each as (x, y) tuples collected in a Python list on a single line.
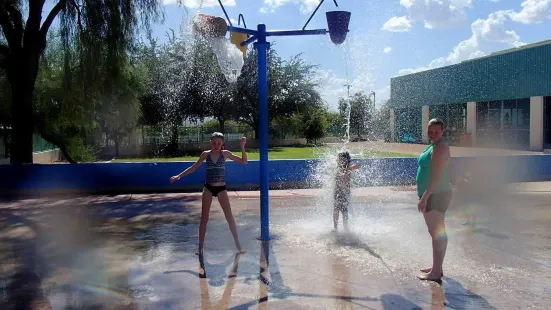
[(337, 23), (209, 25)]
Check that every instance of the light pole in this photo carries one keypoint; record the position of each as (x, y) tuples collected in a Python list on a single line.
[(347, 89), (373, 93)]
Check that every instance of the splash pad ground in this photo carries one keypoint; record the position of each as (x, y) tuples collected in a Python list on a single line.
[(136, 252)]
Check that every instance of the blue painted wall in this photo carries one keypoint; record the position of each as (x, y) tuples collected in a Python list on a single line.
[(154, 177)]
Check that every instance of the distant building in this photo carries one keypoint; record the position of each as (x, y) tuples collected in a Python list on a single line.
[(503, 99)]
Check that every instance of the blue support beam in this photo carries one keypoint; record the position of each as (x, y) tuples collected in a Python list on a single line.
[(259, 35), (296, 32), (242, 30), (249, 40), (262, 49)]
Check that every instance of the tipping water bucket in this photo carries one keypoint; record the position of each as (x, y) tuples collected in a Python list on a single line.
[(236, 38), (337, 23), (209, 25)]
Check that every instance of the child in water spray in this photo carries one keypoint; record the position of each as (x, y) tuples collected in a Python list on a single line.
[(342, 189)]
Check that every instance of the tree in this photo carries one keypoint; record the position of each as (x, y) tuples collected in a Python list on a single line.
[(218, 97), (313, 125), (382, 121), (185, 81), (360, 113), (119, 111), (97, 26), (151, 101), (336, 124), (62, 115), (282, 126), (291, 88)]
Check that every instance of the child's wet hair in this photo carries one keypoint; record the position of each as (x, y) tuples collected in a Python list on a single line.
[(344, 158), (217, 135)]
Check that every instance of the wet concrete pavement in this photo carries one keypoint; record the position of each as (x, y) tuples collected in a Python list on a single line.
[(137, 252)]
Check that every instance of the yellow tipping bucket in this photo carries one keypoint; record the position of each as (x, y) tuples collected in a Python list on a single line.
[(236, 38)]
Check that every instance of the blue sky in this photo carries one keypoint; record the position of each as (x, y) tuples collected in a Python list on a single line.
[(387, 37)]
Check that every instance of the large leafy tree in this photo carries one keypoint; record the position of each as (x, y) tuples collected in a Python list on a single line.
[(361, 113), (103, 31), (209, 93), (336, 124), (72, 113), (151, 102), (62, 116), (118, 111), (291, 88), (381, 121), (314, 125)]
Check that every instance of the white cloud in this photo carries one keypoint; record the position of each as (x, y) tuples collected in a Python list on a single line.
[(305, 6), (533, 11), (195, 4), (387, 50), (488, 35), (433, 13), (397, 24)]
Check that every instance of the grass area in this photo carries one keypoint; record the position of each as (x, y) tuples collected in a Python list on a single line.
[(305, 152)]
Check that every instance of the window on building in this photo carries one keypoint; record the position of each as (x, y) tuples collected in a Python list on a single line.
[(454, 116), (523, 113), (504, 123), (482, 115)]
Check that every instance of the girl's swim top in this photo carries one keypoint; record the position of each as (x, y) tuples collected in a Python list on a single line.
[(216, 171)]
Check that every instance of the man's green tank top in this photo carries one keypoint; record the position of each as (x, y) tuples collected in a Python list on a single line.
[(424, 173)]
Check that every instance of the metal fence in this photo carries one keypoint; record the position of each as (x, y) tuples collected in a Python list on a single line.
[(39, 145), (156, 135)]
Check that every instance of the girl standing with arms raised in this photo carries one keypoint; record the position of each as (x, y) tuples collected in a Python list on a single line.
[(215, 185)]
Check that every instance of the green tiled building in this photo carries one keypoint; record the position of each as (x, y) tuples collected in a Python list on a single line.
[(497, 100)]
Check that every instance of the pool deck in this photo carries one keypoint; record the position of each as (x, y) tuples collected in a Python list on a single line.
[(137, 252)]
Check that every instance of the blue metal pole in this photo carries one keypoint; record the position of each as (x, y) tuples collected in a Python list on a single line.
[(242, 30), (262, 50), (296, 32)]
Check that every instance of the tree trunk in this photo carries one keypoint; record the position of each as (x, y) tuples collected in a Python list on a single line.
[(62, 147), (174, 137), (221, 124), (117, 145), (26, 43), (22, 86), (6, 141), (256, 128)]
